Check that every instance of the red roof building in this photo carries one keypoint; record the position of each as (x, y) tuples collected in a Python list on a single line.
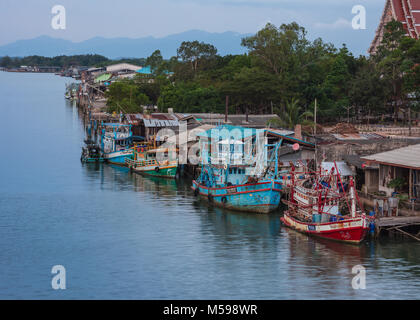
[(405, 11)]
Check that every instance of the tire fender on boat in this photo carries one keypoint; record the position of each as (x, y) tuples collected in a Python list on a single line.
[(210, 197), (224, 200), (157, 169)]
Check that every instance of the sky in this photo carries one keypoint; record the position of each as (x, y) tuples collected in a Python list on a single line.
[(328, 19)]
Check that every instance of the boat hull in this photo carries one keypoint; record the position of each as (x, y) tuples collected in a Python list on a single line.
[(349, 231), (92, 160), (162, 171), (259, 198), (118, 157)]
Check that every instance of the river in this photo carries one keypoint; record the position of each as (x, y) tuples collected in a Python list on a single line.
[(123, 236)]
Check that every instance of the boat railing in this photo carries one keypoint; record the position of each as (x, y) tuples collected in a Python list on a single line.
[(309, 213), (118, 135)]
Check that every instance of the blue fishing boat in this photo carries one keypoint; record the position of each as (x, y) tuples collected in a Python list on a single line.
[(116, 141), (220, 187), (228, 180)]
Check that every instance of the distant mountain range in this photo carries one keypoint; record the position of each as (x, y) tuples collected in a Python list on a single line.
[(226, 43)]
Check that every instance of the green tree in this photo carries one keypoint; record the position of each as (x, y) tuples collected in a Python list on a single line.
[(291, 115), (155, 60), (367, 90), (337, 86), (275, 47), (193, 52), (389, 61), (125, 96), (190, 97), (6, 62)]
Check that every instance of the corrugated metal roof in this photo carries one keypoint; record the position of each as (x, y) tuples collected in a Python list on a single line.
[(281, 131), (342, 167), (103, 77), (356, 136), (407, 157), (145, 70), (290, 138), (122, 66), (226, 131), (192, 134), (160, 123), (133, 118)]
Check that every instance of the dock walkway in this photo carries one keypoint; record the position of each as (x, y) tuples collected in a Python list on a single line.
[(396, 223)]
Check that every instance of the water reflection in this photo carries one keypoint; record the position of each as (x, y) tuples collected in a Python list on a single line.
[(257, 247), (304, 267)]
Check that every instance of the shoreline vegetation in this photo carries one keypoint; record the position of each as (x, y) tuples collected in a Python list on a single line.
[(282, 73)]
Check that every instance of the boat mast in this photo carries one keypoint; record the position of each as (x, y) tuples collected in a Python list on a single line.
[(352, 198)]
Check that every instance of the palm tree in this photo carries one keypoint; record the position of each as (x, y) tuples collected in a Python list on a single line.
[(291, 115)]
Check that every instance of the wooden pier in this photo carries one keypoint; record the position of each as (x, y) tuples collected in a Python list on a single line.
[(396, 224)]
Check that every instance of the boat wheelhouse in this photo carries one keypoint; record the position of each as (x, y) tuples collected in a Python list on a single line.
[(116, 141)]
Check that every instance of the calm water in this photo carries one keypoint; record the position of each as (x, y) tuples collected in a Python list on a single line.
[(122, 236)]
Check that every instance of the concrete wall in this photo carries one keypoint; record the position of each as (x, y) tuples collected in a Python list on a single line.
[(391, 130)]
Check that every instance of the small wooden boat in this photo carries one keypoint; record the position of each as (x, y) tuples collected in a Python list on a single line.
[(145, 161), (314, 209)]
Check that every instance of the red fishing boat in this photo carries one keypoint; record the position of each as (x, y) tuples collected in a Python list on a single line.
[(317, 206)]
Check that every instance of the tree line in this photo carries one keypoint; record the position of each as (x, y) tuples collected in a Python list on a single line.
[(283, 73), (63, 61)]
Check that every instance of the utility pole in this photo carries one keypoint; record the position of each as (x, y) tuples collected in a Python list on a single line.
[(315, 154), (227, 109), (315, 118), (348, 113), (409, 121)]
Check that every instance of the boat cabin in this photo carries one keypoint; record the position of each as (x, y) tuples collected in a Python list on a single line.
[(116, 137)]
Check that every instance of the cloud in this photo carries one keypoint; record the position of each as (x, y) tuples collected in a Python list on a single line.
[(338, 24)]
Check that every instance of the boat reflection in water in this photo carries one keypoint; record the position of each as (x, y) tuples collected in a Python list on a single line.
[(232, 246), (233, 222), (160, 187)]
